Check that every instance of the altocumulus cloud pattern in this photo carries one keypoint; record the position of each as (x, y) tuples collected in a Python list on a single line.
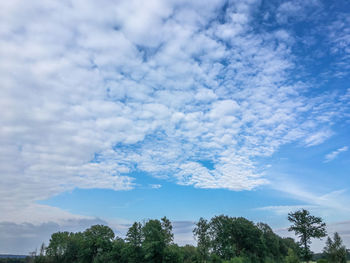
[(92, 91)]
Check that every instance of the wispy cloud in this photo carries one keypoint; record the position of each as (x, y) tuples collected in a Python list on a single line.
[(331, 156), (156, 186), (331, 205)]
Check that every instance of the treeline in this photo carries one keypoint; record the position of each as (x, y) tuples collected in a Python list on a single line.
[(15, 260), (222, 239)]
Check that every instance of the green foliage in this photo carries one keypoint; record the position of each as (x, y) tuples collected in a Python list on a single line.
[(223, 239), (292, 257), (133, 250), (58, 246), (173, 254), (289, 243), (322, 260), (306, 227), (239, 260), (167, 229), (201, 233), (214, 258), (15, 260), (97, 241), (190, 254), (239, 239), (134, 235), (154, 243), (334, 250), (221, 232), (64, 247), (157, 241), (231, 237)]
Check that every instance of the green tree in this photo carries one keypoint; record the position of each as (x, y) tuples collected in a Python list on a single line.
[(289, 243), (222, 235), (234, 237), (173, 254), (167, 230), (292, 257), (115, 254), (41, 257), (64, 247), (134, 243), (306, 227), (97, 240), (58, 246), (154, 241), (190, 254), (334, 250), (271, 242), (201, 233)]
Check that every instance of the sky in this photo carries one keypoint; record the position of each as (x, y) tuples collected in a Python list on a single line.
[(120, 111)]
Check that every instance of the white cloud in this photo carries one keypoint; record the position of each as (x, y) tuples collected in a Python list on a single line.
[(331, 156), (116, 86), (156, 186), (297, 10), (317, 138)]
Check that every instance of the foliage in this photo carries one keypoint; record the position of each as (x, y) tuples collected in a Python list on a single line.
[(203, 241), (291, 257), (334, 250), (134, 239), (306, 227), (190, 254), (14, 260), (154, 241), (223, 239)]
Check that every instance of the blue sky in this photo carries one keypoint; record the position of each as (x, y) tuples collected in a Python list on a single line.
[(116, 111)]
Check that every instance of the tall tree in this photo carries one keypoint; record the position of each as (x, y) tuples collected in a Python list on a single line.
[(58, 246), (201, 233), (97, 240), (134, 235), (334, 250), (306, 227), (154, 241), (134, 242), (167, 230)]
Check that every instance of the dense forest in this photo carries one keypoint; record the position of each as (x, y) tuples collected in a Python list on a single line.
[(222, 239)]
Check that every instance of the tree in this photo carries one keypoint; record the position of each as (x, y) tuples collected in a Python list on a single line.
[(134, 243), (154, 241), (97, 240), (306, 227), (190, 254), (334, 250), (291, 257), (173, 254), (167, 230), (58, 246), (203, 240), (271, 242)]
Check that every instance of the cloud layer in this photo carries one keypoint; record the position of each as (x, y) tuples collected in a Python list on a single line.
[(94, 91)]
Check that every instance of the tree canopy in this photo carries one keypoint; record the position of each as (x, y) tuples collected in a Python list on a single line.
[(306, 227), (334, 250), (221, 239)]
